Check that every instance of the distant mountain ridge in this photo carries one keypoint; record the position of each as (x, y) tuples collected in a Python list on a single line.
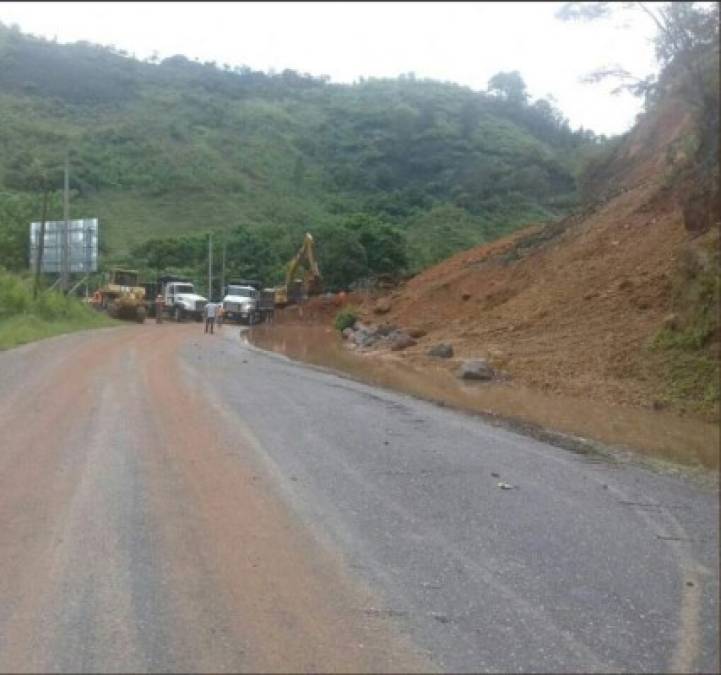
[(180, 147)]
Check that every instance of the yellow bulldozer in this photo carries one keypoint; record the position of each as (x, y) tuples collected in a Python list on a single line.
[(121, 296), (296, 288)]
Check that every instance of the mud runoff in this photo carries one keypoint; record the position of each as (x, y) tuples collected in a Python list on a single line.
[(656, 434)]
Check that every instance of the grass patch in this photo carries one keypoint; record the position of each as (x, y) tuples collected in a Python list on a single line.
[(694, 378), (25, 319), (690, 372), (689, 348), (25, 328)]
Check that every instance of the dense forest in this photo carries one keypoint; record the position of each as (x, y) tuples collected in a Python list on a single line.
[(390, 175)]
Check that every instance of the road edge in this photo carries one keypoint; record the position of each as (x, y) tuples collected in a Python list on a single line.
[(591, 448)]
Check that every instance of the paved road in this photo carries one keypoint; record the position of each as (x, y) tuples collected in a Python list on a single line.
[(178, 502)]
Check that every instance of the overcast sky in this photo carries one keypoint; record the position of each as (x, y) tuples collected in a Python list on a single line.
[(460, 42)]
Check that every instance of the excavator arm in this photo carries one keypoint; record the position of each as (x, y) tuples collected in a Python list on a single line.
[(312, 280), (307, 251)]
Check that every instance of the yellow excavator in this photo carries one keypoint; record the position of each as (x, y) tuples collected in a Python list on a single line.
[(296, 288)]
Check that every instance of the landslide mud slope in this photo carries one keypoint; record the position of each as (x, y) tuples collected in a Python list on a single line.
[(573, 307)]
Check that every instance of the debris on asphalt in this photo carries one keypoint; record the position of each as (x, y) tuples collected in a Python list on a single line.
[(495, 475), (372, 611)]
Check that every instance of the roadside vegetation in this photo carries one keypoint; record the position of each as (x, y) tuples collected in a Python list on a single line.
[(24, 318), (689, 344), (346, 318)]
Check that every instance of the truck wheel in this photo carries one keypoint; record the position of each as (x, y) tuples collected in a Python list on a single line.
[(178, 314), (140, 314)]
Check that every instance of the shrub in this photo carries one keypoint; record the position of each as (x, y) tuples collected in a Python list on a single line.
[(15, 296), (346, 318), (51, 306)]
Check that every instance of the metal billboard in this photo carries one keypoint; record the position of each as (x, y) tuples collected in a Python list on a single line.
[(82, 245)]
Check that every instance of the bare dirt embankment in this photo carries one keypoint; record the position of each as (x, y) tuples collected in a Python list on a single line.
[(577, 307), (605, 307)]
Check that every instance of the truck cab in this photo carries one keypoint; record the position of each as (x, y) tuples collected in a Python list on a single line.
[(240, 301), (181, 300)]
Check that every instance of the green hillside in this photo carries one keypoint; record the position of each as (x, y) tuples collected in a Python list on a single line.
[(180, 148)]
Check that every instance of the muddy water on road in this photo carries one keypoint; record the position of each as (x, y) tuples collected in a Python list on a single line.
[(654, 433)]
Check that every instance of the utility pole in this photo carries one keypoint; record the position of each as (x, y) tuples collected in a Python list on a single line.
[(210, 267), (41, 243), (65, 257), (222, 272)]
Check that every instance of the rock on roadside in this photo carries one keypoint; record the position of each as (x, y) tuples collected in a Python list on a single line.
[(382, 306), (400, 340), (441, 350), (475, 369), (384, 330), (365, 337)]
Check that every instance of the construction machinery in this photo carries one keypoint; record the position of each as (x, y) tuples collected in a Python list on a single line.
[(240, 300), (180, 299), (297, 288), (247, 301), (121, 296)]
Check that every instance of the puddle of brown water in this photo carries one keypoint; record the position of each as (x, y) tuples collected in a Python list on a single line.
[(657, 433)]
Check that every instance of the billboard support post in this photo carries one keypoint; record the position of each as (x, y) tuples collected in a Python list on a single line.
[(41, 244), (210, 267), (65, 271)]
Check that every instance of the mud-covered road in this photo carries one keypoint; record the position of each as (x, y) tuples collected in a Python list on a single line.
[(178, 502)]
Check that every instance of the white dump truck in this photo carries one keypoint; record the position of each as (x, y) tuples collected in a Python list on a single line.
[(240, 302), (181, 300), (246, 301)]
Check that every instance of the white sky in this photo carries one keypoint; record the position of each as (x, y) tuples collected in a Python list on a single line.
[(460, 42)]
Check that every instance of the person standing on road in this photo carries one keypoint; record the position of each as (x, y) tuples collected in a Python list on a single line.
[(221, 314), (159, 308), (211, 310)]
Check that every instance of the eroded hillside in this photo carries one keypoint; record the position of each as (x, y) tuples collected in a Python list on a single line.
[(618, 302)]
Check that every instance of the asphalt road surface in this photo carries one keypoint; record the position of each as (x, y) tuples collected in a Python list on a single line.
[(172, 501)]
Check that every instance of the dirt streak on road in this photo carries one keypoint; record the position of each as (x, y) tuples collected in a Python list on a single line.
[(141, 533)]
